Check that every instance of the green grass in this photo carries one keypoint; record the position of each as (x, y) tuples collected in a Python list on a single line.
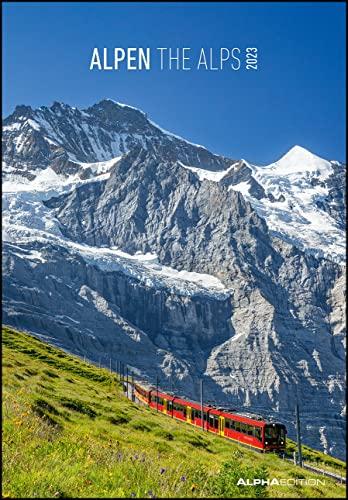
[(69, 432)]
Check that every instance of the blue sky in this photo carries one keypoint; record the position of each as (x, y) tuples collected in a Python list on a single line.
[(297, 96)]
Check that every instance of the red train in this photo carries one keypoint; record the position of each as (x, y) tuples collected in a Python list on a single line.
[(251, 430)]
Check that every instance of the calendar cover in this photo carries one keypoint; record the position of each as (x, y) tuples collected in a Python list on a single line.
[(173, 235)]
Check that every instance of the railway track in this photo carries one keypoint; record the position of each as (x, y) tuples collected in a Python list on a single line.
[(323, 472)]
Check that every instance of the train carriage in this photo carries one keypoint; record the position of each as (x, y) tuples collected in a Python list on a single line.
[(248, 429)]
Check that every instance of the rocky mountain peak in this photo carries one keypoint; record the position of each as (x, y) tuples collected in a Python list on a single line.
[(21, 112), (64, 135), (114, 114)]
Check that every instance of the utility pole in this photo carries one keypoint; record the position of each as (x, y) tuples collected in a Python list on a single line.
[(127, 380), (156, 392), (298, 431), (110, 365), (133, 386), (202, 410)]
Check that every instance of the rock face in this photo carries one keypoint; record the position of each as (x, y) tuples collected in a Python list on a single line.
[(142, 258), (120, 317)]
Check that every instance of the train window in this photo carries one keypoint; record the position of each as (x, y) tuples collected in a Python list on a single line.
[(282, 432), (237, 426), (213, 421), (227, 423), (257, 433), (179, 408), (270, 432), (198, 413), (250, 430)]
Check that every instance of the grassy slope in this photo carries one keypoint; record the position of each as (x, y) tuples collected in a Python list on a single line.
[(68, 431)]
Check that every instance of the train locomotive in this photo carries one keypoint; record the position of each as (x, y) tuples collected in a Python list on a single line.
[(246, 428)]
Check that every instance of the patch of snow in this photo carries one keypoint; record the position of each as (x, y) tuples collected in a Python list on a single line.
[(323, 439), (242, 187), (207, 174), (13, 126), (33, 124), (316, 358), (100, 167)]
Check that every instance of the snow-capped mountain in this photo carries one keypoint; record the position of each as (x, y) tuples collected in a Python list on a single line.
[(301, 197), (66, 138), (122, 240)]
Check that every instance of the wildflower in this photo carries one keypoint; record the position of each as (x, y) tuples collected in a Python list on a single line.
[(162, 470), (132, 495), (150, 493), (183, 478), (193, 487)]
